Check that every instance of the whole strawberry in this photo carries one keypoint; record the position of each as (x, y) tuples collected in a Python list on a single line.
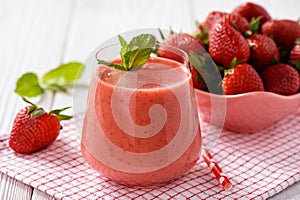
[(281, 79), (198, 81), (226, 44), (183, 41), (284, 32), (241, 78), (235, 20), (188, 44), (264, 51), (251, 10), (34, 129)]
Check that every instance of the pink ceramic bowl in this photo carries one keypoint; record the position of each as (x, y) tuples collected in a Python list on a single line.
[(245, 113)]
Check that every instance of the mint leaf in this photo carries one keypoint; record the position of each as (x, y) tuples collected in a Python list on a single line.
[(63, 74), (103, 62), (137, 52), (28, 85), (123, 45)]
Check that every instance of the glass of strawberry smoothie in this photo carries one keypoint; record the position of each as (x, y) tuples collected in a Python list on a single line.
[(141, 127)]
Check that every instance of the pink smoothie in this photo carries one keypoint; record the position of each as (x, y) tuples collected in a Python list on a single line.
[(141, 128)]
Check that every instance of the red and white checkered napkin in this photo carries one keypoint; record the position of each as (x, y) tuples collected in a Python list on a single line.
[(259, 165)]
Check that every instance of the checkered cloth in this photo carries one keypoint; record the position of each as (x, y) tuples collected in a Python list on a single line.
[(259, 165)]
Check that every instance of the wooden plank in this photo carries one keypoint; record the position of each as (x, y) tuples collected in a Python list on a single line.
[(13, 189), (95, 21), (290, 193), (32, 39), (39, 195)]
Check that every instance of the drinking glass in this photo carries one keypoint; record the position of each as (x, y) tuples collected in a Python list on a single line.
[(141, 127)]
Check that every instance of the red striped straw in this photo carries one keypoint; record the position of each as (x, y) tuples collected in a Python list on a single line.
[(217, 171)]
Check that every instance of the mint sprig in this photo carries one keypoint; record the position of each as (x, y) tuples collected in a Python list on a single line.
[(30, 85), (135, 53)]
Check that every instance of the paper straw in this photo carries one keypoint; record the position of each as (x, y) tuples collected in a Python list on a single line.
[(217, 171)]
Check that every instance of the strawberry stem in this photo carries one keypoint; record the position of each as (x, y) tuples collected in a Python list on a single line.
[(27, 101)]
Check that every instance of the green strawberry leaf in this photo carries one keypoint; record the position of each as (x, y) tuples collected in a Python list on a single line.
[(63, 74), (296, 65), (254, 25), (38, 112), (233, 63), (61, 117), (203, 35), (28, 85), (275, 61), (297, 41), (284, 55), (58, 111), (31, 109)]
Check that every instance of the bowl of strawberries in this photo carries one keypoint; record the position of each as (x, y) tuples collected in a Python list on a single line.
[(257, 60)]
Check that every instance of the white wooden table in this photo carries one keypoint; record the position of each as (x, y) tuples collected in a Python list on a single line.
[(37, 35)]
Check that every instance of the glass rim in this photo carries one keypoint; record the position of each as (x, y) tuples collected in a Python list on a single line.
[(171, 48)]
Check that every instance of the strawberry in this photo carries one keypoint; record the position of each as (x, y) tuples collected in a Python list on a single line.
[(34, 129), (183, 41), (187, 43), (252, 11), (226, 44), (212, 19), (198, 81), (284, 32), (294, 56), (240, 79), (281, 79), (263, 51), (237, 21)]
